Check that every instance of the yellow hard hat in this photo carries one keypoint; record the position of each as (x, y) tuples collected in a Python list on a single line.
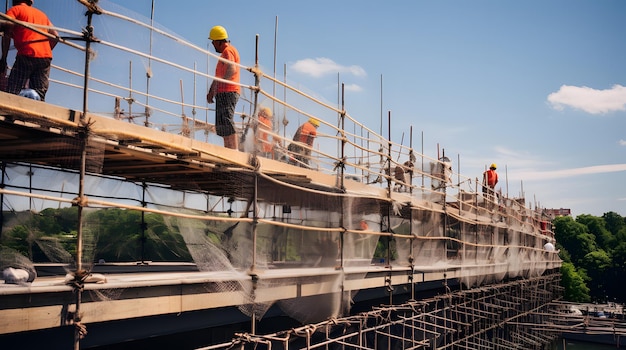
[(266, 111), (493, 166), (218, 33), (314, 121)]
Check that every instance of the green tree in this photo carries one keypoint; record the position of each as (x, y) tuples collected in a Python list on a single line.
[(163, 243), (597, 264), (596, 248), (619, 256), (563, 253), (37, 238), (595, 252), (597, 260), (17, 239), (614, 222), (574, 237), (575, 288), (121, 235), (597, 227), (617, 272), (111, 234)]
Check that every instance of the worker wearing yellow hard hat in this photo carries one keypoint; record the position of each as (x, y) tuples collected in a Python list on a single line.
[(265, 127), (305, 135), (222, 92), (314, 122), (218, 33), (490, 179)]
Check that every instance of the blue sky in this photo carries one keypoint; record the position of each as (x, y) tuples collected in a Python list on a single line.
[(538, 87)]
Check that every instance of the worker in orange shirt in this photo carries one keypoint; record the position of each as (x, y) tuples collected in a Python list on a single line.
[(490, 179), (300, 148), (34, 51), (225, 94), (264, 129)]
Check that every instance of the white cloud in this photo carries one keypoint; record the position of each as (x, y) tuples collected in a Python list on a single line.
[(622, 142), (557, 174), (589, 100), (317, 67), (353, 87)]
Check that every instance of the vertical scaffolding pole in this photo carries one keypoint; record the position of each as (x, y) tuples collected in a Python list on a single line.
[(146, 122), (80, 274), (254, 200), (389, 209), (2, 184), (341, 174), (143, 226)]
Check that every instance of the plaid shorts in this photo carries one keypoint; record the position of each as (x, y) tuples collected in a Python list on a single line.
[(31, 70), (225, 103)]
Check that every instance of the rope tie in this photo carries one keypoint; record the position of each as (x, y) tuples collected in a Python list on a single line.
[(78, 283), (254, 162), (80, 201), (340, 164), (81, 328)]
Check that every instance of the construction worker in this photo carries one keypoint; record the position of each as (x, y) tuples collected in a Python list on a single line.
[(265, 127), (490, 179), (300, 148), (224, 94), (400, 174), (31, 68), (442, 174)]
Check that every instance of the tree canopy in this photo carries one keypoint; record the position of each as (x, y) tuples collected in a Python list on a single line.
[(594, 253)]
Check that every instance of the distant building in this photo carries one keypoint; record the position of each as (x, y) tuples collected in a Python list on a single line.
[(553, 213)]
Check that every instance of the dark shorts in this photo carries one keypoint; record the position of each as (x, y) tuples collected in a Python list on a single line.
[(35, 71), (225, 103)]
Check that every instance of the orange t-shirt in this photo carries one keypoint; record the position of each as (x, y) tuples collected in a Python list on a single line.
[(231, 54), (27, 42), (265, 124), (306, 134), (491, 178)]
